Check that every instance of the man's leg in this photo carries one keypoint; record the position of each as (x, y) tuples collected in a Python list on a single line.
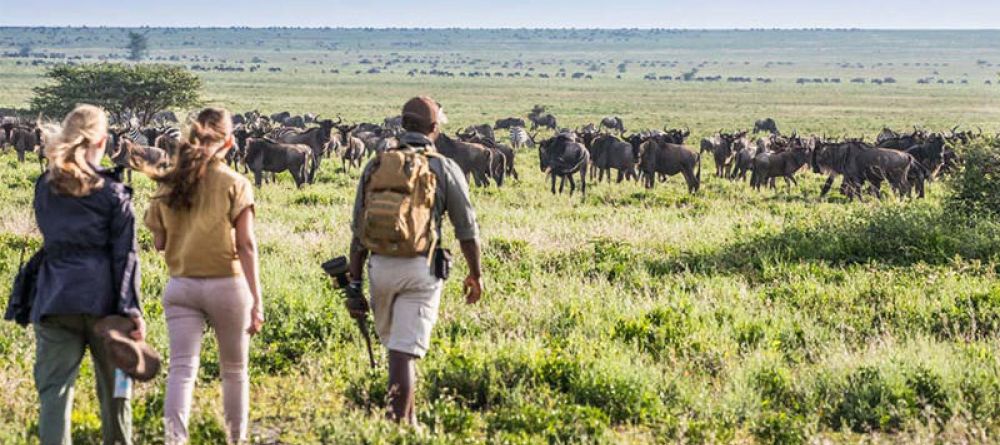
[(59, 343), (402, 387), (116, 414)]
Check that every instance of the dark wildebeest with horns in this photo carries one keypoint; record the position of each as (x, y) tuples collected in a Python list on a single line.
[(658, 157), (767, 166), (768, 125), (265, 155), (508, 123), (279, 118), (473, 159), (295, 122), (608, 152), (315, 138), (546, 120), (133, 156), (353, 148), (721, 147), (480, 134), (743, 158), (859, 162), (561, 156), (393, 123), (165, 116), (613, 123), (25, 139)]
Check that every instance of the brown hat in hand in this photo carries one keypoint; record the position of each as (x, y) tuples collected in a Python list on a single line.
[(136, 358)]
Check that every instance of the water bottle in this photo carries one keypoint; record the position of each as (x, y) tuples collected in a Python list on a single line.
[(123, 385)]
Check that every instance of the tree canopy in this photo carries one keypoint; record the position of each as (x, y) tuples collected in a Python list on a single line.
[(123, 90)]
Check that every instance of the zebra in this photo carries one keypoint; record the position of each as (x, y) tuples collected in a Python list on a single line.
[(135, 135), (519, 137), (168, 139)]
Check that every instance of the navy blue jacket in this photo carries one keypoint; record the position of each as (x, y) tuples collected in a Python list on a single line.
[(91, 263)]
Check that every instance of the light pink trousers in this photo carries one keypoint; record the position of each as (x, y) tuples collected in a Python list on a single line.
[(224, 303)]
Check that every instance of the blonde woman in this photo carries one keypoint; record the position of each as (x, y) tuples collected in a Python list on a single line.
[(90, 271), (202, 218)]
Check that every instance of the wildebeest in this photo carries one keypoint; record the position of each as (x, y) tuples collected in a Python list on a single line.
[(295, 122), (721, 147), (508, 123), (859, 162), (768, 125), (608, 152), (658, 157), (674, 135), (508, 155), (473, 159), (133, 156), (900, 141), (25, 139), (546, 120), (613, 123), (265, 155), (165, 116), (315, 138), (561, 156), (743, 158), (930, 153), (480, 134), (279, 118), (394, 123), (767, 166), (352, 147)]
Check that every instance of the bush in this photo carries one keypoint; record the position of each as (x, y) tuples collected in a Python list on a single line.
[(874, 399), (975, 190), (661, 330), (561, 423)]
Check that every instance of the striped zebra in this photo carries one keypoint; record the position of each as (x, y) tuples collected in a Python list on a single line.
[(281, 132), (519, 137), (168, 140)]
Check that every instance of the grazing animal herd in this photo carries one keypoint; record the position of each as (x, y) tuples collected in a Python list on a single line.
[(283, 142)]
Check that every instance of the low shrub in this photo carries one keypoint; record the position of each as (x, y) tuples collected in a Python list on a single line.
[(975, 189)]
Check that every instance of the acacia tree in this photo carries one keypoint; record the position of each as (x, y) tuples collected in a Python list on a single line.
[(123, 90), (138, 45)]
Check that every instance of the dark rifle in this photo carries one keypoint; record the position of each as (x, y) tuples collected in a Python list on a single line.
[(337, 269)]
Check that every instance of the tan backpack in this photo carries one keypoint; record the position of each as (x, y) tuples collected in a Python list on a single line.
[(398, 216)]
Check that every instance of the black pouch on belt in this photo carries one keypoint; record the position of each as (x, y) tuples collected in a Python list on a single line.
[(442, 263)]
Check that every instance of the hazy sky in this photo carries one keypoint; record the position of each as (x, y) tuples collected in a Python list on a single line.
[(957, 14)]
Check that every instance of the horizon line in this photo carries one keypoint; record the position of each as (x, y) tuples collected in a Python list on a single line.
[(453, 28)]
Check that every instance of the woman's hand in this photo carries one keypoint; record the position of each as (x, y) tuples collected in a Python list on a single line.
[(139, 333), (256, 319)]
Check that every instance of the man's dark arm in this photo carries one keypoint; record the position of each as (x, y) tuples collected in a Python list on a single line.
[(359, 254), (470, 250)]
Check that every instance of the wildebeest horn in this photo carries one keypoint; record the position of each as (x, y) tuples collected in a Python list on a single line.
[(980, 130)]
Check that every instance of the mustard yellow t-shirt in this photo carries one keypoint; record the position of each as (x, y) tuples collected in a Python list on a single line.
[(201, 241)]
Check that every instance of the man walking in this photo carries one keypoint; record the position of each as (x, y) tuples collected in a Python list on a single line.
[(402, 198)]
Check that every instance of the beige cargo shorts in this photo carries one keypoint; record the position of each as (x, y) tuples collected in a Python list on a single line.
[(405, 296)]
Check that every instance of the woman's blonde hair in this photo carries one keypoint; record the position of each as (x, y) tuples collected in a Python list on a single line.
[(210, 127), (66, 148)]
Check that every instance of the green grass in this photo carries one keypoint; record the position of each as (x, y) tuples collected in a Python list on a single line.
[(632, 316)]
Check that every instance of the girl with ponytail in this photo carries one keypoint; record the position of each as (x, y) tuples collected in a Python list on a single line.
[(90, 270), (202, 218)]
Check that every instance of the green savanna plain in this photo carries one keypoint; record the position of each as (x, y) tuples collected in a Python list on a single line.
[(630, 316)]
